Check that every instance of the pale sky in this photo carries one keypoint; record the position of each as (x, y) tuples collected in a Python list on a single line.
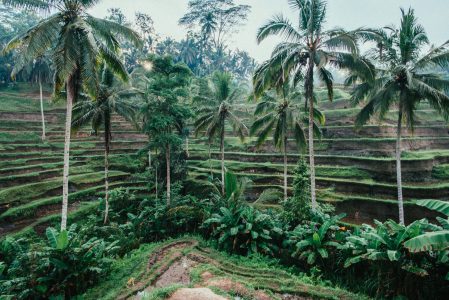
[(349, 14)]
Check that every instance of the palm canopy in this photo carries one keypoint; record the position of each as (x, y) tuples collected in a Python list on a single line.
[(405, 77), (77, 40), (216, 98), (112, 97), (281, 113), (307, 42)]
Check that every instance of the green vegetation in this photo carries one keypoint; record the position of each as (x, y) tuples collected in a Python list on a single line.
[(164, 193)]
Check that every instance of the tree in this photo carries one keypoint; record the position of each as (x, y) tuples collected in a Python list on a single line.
[(145, 24), (13, 22), (404, 79), (41, 72), (280, 114), (216, 19), (309, 48), (112, 97), (78, 43), (216, 101), (164, 115)]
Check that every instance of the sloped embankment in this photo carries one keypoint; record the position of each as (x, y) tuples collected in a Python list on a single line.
[(185, 269)]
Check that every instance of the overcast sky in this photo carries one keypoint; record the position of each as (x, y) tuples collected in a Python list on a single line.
[(349, 14)]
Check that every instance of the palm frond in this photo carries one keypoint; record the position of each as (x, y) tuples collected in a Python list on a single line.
[(278, 25)]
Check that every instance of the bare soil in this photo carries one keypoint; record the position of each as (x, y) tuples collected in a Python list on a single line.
[(195, 294)]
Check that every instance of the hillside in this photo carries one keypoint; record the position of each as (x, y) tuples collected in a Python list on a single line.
[(355, 168), (186, 269), (31, 171)]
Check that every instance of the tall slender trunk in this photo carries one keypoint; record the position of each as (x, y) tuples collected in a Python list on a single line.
[(309, 97), (107, 137), (42, 107), (285, 168), (167, 158), (70, 87), (149, 159), (210, 160), (155, 175), (222, 161), (398, 167), (187, 146)]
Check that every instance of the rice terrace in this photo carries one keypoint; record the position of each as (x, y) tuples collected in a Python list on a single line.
[(224, 149)]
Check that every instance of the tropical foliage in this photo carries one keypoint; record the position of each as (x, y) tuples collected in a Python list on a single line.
[(405, 77), (112, 69), (216, 100)]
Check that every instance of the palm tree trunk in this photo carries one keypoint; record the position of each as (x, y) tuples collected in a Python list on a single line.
[(187, 146), (42, 107), (309, 98), (107, 136), (398, 167), (155, 175), (222, 162), (285, 168), (210, 160), (149, 159), (167, 158), (70, 87)]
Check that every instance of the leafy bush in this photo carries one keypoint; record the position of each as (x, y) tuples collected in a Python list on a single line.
[(297, 208), (156, 220), (244, 229), (381, 248), (314, 240), (241, 228), (64, 265)]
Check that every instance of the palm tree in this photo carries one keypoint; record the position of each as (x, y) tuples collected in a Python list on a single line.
[(78, 44), (112, 97), (41, 72), (280, 113), (404, 78), (217, 100), (308, 48)]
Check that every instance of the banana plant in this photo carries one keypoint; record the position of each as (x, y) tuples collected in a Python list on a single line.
[(315, 239), (435, 240), (385, 242)]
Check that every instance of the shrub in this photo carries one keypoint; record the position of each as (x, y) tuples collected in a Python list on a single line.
[(297, 208), (63, 266), (315, 240)]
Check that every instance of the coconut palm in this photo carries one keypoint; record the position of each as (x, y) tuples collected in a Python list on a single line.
[(218, 99), (112, 97), (78, 44), (405, 78), (308, 48), (41, 72), (281, 114)]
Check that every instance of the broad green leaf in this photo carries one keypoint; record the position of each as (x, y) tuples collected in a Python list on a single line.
[(230, 184), (62, 240), (234, 230), (316, 239), (438, 205), (254, 234), (52, 236), (393, 255), (323, 252), (415, 270), (311, 258), (438, 240)]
